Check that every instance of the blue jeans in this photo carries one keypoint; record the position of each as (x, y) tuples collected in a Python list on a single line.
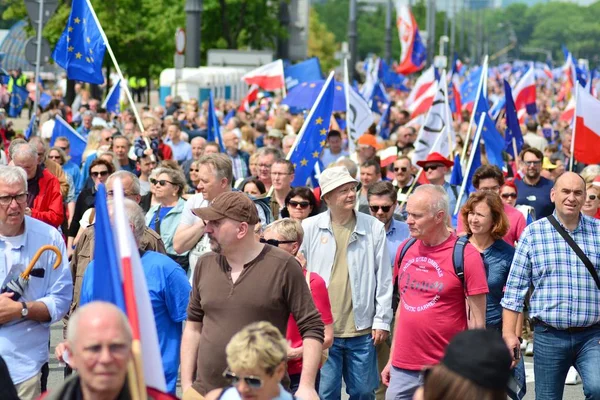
[(354, 359), (555, 351)]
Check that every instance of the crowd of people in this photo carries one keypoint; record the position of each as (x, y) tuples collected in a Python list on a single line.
[(367, 278)]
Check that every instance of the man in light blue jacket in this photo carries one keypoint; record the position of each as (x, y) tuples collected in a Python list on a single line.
[(349, 251)]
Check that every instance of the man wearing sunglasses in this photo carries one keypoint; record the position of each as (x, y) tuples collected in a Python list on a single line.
[(243, 281), (436, 167), (348, 249), (404, 172)]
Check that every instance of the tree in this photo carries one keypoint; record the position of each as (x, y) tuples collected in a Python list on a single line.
[(321, 43)]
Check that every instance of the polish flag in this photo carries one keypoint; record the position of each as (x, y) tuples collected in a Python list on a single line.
[(269, 76), (422, 85), (586, 134), (249, 99), (137, 297), (569, 112), (387, 156), (524, 91), (422, 104)]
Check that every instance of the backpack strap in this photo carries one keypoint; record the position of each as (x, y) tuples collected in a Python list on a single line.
[(458, 257), (395, 291)]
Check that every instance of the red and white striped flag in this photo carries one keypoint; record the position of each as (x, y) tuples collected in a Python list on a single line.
[(249, 99), (586, 134), (269, 76)]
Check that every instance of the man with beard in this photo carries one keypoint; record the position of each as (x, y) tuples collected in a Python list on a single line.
[(534, 190), (240, 282)]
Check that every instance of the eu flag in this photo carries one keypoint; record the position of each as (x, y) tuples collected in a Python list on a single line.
[(111, 103), (76, 142), (457, 176), (31, 127), (17, 101), (494, 142), (513, 129), (80, 49), (213, 125), (107, 283), (313, 135), (468, 89)]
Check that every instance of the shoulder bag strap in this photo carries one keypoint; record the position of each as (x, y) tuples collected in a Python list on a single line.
[(157, 221), (586, 261)]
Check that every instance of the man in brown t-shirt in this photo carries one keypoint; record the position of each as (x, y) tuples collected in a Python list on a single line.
[(243, 281)]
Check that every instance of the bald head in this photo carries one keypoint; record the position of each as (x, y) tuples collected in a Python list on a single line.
[(95, 316), (569, 178)]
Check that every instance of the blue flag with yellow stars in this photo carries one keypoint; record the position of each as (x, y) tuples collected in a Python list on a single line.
[(314, 135), (80, 49), (18, 98), (212, 124)]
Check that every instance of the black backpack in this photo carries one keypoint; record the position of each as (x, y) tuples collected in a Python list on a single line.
[(458, 261)]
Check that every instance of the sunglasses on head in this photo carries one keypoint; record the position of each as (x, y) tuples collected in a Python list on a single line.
[(253, 382), (383, 208), (162, 182), (431, 167), (301, 204), (97, 174), (509, 195), (398, 169), (276, 243)]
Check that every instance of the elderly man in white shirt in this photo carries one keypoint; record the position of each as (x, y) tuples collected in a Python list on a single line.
[(45, 298)]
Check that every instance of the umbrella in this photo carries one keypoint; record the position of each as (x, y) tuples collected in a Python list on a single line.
[(18, 285), (304, 95)]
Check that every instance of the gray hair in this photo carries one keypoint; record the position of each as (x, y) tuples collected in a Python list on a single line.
[(22, 150), (221, 163), (590, 172), (438, 197), (11, 175), (265, 151), (136, 216), (348, 163), (35, 140), (135, 187), (80, 312)]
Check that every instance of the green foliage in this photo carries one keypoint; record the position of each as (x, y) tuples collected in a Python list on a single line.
[(321, 43)]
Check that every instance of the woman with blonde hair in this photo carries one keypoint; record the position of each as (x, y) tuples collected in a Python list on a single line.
[(256, 360), (93, 143)]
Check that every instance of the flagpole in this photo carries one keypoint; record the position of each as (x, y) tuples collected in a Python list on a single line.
[(514, 145), (351, 143), (574, 129), (465, 182), (116, 65), (479, 90)]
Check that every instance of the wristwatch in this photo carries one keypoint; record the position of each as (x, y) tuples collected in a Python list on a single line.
[(24, 310)]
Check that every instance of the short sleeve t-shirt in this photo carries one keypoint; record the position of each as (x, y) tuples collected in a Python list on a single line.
[(432, 301), (318, 289)]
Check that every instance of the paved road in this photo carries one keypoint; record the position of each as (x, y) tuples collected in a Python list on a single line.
[(56, 371)]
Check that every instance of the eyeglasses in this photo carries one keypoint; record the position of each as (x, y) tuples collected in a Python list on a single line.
[(20, 198), (264, 166), (280, 173), (276, 243), (162, 182), (403, 169), (383, 208), (111, 193), (253, 382), (532, 163), (509, 195), (301, 204), (592, 197), (54, 157), (116, 350), (431, 167), (99, 173), (194, 170)]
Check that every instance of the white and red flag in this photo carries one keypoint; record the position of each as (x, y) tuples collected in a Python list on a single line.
[(586, 134), (268, 77)]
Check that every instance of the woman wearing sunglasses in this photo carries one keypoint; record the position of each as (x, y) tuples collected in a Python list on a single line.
[(99, 171), (591, 207), (508, 193), (194, 177), (256, 358), (164, 217), (300, 203)]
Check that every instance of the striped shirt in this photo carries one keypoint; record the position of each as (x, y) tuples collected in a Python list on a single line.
[(565, 294)]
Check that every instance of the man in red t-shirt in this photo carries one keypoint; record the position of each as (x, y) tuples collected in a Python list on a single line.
[(287, 234), (432, 298), (491, 178)]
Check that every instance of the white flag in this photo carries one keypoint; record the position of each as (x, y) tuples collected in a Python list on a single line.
[(358, 114), (437, 133)]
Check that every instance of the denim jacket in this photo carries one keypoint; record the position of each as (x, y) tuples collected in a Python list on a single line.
[(168, 225), (368, 265)]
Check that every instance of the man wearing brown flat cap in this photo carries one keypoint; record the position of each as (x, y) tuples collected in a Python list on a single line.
[(243, 281)]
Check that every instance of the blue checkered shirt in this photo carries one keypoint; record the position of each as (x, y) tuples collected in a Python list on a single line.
[(564, 292)]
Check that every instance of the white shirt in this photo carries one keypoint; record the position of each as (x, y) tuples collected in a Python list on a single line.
[(24, 343)]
